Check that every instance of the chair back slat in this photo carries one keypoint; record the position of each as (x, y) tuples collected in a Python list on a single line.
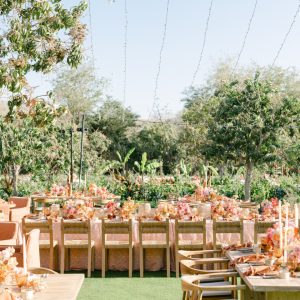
[(154, 227), (43, 226), (228, 227), (76, 227), (116, 227), (261, 227)]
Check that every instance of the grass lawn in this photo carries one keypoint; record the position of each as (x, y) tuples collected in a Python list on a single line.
[(118, 286)]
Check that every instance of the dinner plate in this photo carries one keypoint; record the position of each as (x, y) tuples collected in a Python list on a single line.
[(256, 263), (245, 250), (271, 276)]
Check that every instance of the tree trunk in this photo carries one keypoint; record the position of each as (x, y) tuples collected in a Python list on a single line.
[(15, 176), (248, 179)]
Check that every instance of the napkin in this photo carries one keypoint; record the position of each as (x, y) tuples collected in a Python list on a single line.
[(261, 270)]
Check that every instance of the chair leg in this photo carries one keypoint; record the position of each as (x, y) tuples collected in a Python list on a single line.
[(141, 261), (107, 259), (93, 259), (89, 273), (62, 260), (51, 259), (103, 265), (130, 262), (168, 262), (68, 260), (177, 263)]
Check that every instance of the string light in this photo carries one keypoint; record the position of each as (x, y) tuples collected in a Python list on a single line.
[(125, 50), (245, 38), (91, 34), (203, 43), (286, 35), (155, 98)]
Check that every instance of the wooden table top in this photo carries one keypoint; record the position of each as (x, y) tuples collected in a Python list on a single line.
[(60, 287), (260, 284)]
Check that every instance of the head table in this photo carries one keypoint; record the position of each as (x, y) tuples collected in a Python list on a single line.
[(118, 258), (259, 288)]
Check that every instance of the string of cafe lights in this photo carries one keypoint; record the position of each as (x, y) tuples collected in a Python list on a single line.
[(155, 98), (287, 34), (91, 34), (245, 37), (125, 51), (203, 43)]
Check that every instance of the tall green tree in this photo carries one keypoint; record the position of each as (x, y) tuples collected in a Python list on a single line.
[(115, 122), (248, 123), (80, 90), (35, 36)]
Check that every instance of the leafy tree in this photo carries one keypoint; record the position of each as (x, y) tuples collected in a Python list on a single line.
[(35, 36), (79, 89), (248, 123), (26, 136), (160, 141), (115, 122)]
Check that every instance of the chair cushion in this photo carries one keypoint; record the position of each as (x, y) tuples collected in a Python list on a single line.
[(215, 293)]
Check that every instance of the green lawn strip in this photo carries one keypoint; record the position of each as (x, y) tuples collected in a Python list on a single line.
[(117, 285)]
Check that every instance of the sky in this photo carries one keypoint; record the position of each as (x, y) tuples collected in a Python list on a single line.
[(185, 31)]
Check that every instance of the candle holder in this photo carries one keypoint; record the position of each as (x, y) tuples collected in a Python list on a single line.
[(284, 273)]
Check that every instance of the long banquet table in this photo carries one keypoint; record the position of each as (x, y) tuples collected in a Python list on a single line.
[(154, 258), (258, 288), (59, 287)]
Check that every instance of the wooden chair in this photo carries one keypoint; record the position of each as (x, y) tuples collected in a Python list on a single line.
[(261, 228), (76, 227), (151, 228), (194, 287), (188, 227), (227, 227), (5, 209), (50, 243), (197, 267), (9, 233), (116, 228), (31, 250), (21, 209), (39, 271)]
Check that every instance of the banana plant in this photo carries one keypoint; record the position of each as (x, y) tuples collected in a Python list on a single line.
[(145, 166), (205, 170), (185, 169), (121, 163)]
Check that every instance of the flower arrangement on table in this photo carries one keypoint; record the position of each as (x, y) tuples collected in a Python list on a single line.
[(184, 211), (8, 263), (164, 211), (112, 210), (128, 209), (58, 190), (226, 209), (100, 192), (78, 209)]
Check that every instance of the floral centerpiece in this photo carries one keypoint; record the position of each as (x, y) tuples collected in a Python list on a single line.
[(164, 210), (58, 190), (128, 209), (226, 209), (7, 263), (183, 210), (78, 209), (112, 209), (101, 192)]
